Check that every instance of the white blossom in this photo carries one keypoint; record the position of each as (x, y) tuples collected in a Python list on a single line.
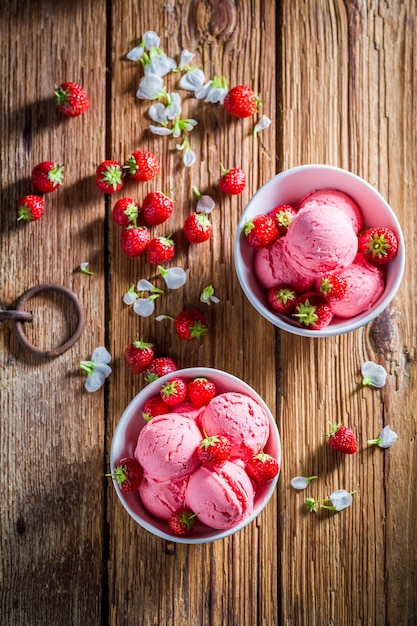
[(341, 499), (130, 296), (263, 123), (151, 87), (301, 482), (373, 374), (144, 306), (189, 158), (97, 369), (174, 277), (205, 204), (150, 40), (386, 438), (157, 113), (84, 268), (163, 131), (144, 285), (135, 53), (174, 108), (159, 64), (207, 296), (185, 58), (192, 80), (101, 355)]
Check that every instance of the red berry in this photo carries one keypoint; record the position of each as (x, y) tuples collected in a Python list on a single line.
[(283, 216), (190, 325), (160, 250), (182, 522), (262, 467), (261, 231), (125, 211), (156, 208), (109, 176), (71, 99), (214, 451), (160, 366), (342, 439), (241, 101), (30, 208), (128, 474), (139, 356), (47, 176), (233, 181), (201, 391), (282, 299), (332, 286), (198, 228), (134, 240), (313, 311), (153, 407), (174, 391), (141, 165), (378, 245)]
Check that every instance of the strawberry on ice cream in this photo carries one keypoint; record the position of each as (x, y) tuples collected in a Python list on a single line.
[(337, 200), (272, 267), (365, 285)]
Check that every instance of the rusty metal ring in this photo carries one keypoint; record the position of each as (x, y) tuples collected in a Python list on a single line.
[(20, 315)]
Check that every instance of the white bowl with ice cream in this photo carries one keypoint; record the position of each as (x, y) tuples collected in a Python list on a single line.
[(302, 254), (171, 473)]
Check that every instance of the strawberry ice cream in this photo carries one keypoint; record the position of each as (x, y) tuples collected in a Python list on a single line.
[(272, 267), (365, 285), (163, 498), (336, 200)]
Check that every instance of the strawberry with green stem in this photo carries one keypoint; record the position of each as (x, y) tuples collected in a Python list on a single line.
[(282, 299), (378, 245), (260, 231), (109, 176), (139, 355), (313, 311), (241, 101), (30, 208), (141, 165), (128, 474), (174, 391), (214, 451), (201, 391), (262, 467), (134, 240), (126, 211), (154, 406), (159, 367), (232, 181), (160, 250), (332, 286), (157, 207), (47, 176), (182, 522), (197, 228), (72, 100), (342, 439), (283, 215), (189, 325)]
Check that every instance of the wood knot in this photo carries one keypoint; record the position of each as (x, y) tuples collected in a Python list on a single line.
[(20, 525), (382, 333), (212, 18)]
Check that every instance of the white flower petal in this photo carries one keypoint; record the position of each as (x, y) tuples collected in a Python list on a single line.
[(135, 53), (151, 40), (94, 381), (192, 80), (144, 285), (262, 124), (185, 58), (387, 437), (299, 482), (144, 307), (163, 131), (150, 87), (341, 499), (215, 95), (175, 277), (202, 91), (129, 297), (101, 355), (157, 113), (189, 158), (161, 65), (103, 368), (374, 374), (205, 204)]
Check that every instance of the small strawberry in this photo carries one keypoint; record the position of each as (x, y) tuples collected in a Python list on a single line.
[(141, 165), (125, 211), (47, 176), (128, 474), (201, 391), (190, 325), (261, 231), (30, 208), (160, 250), (197, 228), (109, 176), (214, 451), (157, 207), (283, 216), (134, 240), (232, 181), (153, 407), (182, 522), (241, 101), (378, 245), (332, 286), (313, 310), (342, 439), (71, 99), (174, 391), (262, 467), (282, 299), (139, 356), (160, 366)]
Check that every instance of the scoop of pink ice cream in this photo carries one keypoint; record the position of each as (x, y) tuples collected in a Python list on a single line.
[(222, 497), (167, 446), (334, 199), (241, 419), (365, 285), (163, 498), (320, 239), (271, 268)]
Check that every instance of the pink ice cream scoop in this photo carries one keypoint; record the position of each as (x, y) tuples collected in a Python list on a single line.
[(221, 497), (241, 419), (320, 239), (163, 498), (365, 285), (272, 267), (167, 446), (334, 199)]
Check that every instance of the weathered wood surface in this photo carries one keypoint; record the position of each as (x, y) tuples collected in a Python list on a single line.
[(339, 81)]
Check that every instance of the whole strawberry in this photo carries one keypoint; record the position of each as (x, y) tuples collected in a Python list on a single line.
[(313, 311), (197, 228), (47, 176), (30, 208), (378, 245), (262, 467), (282, 299), (190, 325), (126, 211), (342, 439), (109, 176), (182, 522), (201, 391), (232, 181), (214, 451), (332, 286), (141, 165), (241, 101), (157, 207), (128, 474), (139, 356), (154, 406), (174, 391), (134, 240), (260, 231), (283, 216), (160, 250), (71, 99), (160, 366)]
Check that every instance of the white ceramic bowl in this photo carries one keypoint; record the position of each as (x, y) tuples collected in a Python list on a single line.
[(287, 188), (124, 444)]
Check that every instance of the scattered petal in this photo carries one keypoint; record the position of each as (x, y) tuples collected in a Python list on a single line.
[(101, 355), (205, 204), (97, 369), (189, 158), (341, 499), (301, 482), (263, 123), (103, 368), (94, 381), (144, 285), (208, 296), (185, 58), (174, 108), (130, 296), (84, 268), (135, 53), (151, 87), (192, 80), (144, 307), (160, 130), (157, 113), (160, 64), (174, 277), (386, 438), (373, 374), (151, 40)]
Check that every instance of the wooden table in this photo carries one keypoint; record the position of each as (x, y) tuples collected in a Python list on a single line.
[(338, 79)]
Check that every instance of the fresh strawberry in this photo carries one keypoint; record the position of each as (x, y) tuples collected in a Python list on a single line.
[(313, 310), (160, 250), (261, 231), (109, 176), (30, 208), (157, 207), (47, 176), (214, 451), (126, 211), (160, 366), (342, 439), (153, 407), (283, 216), (141, 165), (128, 474), (241, 101), (332, 286), (139, 356), (174, 391), (232, 181), (262, 467), (282, 299), (201, 391), (71, 99), (134, 240), (197, 228), (378, 245), (182, 522), (190, 325)]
